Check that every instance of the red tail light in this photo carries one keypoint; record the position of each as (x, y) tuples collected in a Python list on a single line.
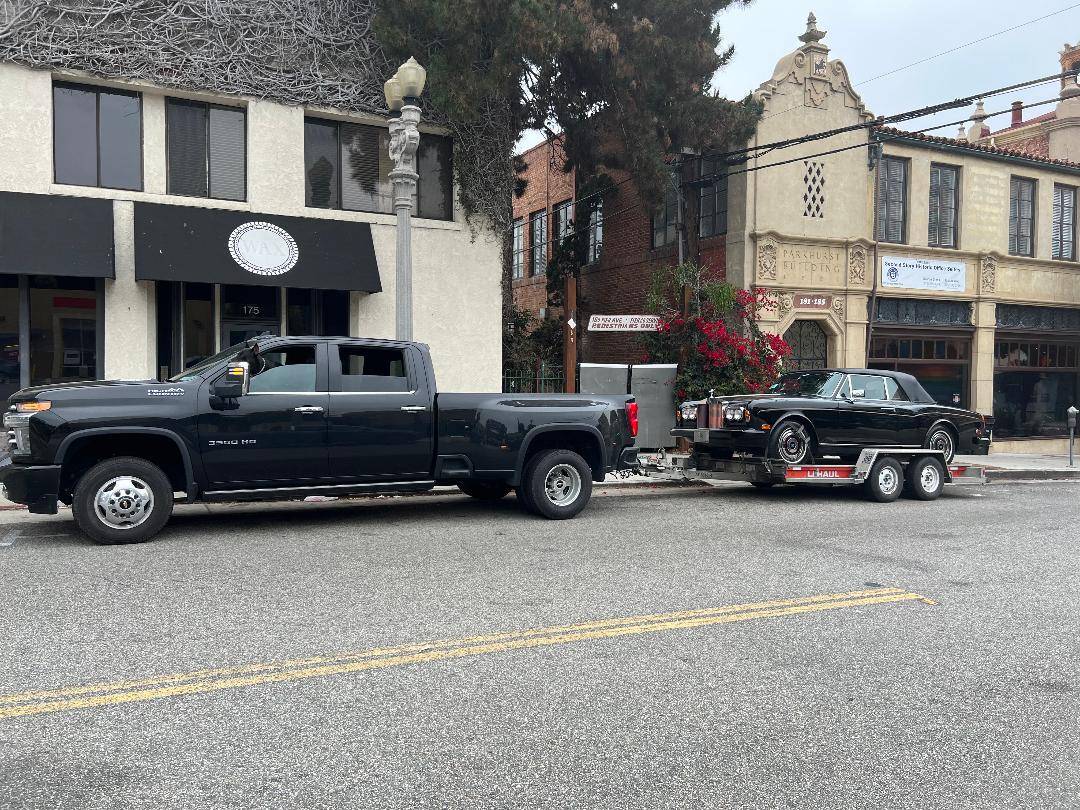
[(631, 415)]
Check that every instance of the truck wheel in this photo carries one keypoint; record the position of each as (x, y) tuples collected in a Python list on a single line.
[(122, 500), (558, 484), (484, 490), (925, 479), (886, 481)]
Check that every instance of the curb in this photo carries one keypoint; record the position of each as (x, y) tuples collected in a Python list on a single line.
[(1032, 475)]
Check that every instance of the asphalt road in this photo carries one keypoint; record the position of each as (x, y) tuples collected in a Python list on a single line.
[(864, 655)]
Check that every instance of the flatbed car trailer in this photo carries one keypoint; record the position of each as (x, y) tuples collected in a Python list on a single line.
[(885, 473)]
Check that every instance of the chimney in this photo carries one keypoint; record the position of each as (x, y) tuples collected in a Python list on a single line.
[(975, 131), (1017, 113)]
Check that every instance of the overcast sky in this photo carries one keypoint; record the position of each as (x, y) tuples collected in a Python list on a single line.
[(873, 37)]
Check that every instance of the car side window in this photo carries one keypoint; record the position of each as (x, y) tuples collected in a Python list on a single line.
[(872, 387), (896, 393), (371, 369), (289, 370)]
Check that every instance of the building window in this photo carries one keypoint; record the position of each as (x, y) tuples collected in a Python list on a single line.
[(596, 231), (563, 221), (814, 196), (1035, 382), (538, 235), (518, 256), (207, 150), (1022, 216), (97, 137), (943, 206), (66, 320), (940, 362), (316, 312), (347, 166), (712, 205), (1063, 235), (891, 199), (665, 220)]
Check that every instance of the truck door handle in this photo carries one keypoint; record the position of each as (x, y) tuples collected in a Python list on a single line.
[(309, 409), (414, 408)]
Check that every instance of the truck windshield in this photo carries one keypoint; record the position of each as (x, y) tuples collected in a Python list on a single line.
[(807, 384), (197, 369)]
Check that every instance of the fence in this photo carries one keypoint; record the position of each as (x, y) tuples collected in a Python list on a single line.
[(540, 379)]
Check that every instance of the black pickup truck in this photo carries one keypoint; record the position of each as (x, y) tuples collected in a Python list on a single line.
[(293, 417)]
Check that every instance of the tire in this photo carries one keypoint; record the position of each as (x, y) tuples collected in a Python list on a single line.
[(485, 490), (122, 500), (941, 438), (762, 484), (557, 484), (925, 479), (791, 443), (886, 480)]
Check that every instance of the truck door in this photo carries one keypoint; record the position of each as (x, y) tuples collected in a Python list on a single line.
[(275, 435), (381, 421)]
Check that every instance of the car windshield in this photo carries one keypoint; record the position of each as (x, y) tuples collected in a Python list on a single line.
[(202, 366), (807, 384)]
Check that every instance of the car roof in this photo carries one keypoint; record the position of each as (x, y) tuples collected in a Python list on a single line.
[(912, 387)]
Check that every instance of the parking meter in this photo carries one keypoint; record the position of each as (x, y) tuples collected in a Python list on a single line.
[(1071, 413)]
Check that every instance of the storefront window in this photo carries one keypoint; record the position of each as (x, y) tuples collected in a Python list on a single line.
[(940, 363), (10, 369), (317, 312), (64, 324), (1035, 382)]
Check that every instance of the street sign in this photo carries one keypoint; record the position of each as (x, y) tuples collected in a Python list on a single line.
[(623, 323)]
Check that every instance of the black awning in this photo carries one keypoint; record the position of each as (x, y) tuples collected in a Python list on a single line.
[(183, 243), (49, 234)]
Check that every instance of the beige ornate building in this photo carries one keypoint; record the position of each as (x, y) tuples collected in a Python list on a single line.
[(963, 250)]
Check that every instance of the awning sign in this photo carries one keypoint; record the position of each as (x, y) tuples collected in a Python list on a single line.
[(923, 274), (623, 323)]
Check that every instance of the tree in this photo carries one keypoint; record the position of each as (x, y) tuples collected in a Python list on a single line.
[(716, 341), (627, 83)]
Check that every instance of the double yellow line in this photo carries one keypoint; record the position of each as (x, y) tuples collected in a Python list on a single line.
[(24, 704)]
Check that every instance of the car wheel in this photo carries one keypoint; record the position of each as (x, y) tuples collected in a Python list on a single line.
[(941, 438), (925, 479), (791, 443), (122, 500), (485, 490), (886, 480), (558, 484)]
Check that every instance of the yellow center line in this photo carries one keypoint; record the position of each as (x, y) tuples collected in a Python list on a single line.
[(300, 669)]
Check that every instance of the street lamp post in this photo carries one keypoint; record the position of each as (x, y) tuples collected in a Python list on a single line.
[(403, 91)]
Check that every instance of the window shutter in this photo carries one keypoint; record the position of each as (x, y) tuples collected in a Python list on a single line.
[(186, 125), (934, 235), (74, 136), (228, 153), (365, 182), (894, 200)]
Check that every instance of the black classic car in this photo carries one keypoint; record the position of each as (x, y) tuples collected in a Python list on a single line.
[(806, 415)]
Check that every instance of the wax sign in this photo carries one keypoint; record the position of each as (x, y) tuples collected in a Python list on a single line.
[(623, 323), (923, 274)]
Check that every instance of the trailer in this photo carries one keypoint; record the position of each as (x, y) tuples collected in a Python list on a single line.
[(884, 473)]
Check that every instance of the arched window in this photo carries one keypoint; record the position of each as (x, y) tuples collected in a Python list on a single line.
[(809, 346)]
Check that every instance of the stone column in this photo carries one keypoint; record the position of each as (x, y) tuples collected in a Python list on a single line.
[(130, 314), (982, 357)]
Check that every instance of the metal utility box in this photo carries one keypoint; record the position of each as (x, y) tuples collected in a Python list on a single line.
[(654, 388), (604, 378)]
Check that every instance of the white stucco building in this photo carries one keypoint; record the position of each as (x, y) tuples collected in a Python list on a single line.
[(143, 227)]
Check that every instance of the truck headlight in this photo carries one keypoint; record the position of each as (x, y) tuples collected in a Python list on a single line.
[(17, 428), (736, 413)]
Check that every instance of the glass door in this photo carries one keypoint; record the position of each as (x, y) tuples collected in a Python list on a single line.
[(248, 311)]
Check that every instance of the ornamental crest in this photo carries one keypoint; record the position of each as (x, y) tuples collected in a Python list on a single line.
[(767, 261), (857, 266), (988, 274)]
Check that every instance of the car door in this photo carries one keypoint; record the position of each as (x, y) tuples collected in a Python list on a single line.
[(381, 420), (867, 417), (907, 415), (274, 436)]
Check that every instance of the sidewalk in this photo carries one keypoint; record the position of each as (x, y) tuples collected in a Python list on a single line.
[(1003, 467)]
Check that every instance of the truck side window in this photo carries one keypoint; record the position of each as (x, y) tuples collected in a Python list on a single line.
[(286, 371), (371, 369)]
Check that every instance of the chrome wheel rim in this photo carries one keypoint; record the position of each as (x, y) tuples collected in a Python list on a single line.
[(562, 485), (124, 502), (887, 480), (942, 440), (930, 478), (792, 445)]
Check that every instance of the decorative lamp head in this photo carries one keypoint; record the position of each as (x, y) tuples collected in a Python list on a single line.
[(395, 98), (412, 77)]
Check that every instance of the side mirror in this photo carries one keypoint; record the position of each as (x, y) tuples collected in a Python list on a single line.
[(858, 393), (233, 383)]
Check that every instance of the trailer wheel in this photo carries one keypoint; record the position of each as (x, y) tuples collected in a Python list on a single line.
[(763, 484), (886, 480), (925, 479)]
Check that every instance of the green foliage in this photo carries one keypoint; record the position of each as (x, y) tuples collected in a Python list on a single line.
[(528, 341), (627, 82), (716, 341)]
